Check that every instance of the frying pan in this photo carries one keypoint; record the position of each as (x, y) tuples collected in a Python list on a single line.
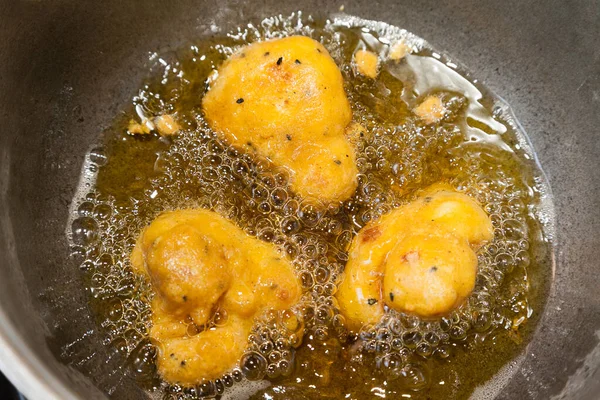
[(68, 67)]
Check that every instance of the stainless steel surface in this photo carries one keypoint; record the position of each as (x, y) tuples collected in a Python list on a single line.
[(68, 67)]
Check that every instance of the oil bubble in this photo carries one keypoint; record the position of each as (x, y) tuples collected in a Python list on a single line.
[(98, 156), (84, 231), (395, 159), (253, 366)]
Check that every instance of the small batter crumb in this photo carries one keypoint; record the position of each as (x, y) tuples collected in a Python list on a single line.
[(431, 110), (356, 133), (398, 51), (136, 128), (367, 63), (166, 125)]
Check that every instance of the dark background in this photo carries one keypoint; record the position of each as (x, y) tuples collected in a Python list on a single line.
[(7, 391)]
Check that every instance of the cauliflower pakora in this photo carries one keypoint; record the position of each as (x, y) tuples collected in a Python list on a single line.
[(419, 258), (284, 100), (210, 280)]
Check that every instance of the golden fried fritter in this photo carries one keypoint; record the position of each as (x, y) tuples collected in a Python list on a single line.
[(284, 100), (208, 275), (419, 258)]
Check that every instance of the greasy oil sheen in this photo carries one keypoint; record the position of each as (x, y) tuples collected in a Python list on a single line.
[(477, 148)]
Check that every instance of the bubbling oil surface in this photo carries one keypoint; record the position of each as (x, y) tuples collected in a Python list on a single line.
[(129, 180)]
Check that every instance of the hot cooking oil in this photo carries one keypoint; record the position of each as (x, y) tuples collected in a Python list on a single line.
[(478, 148)]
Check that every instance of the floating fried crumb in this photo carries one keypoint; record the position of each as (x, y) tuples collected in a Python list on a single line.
[(166, 125), (291, 322), (398, 51), (431, 110), (135, 128), (367, 63), (515, 335), (356, 133)]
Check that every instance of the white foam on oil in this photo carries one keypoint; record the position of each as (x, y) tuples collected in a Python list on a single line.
[(244, 390), (492, 388), (87, 181)]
